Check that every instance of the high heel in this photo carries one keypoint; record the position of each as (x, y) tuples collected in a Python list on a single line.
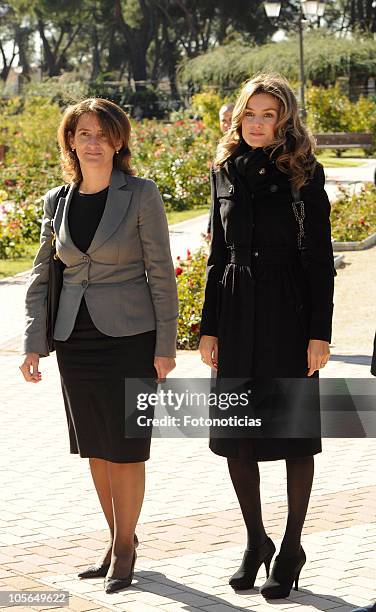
[(100, 571), (285, 573), (253, 558), (112, 585)]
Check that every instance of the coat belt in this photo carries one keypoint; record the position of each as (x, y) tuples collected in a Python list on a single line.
[(244, 256)]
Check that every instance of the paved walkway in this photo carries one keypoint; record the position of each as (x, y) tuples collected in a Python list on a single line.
[(191, 532)]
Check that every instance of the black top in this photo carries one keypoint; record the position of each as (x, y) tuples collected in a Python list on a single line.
[(85, 213)]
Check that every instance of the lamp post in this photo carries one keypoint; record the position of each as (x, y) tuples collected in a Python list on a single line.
[(307, 8)]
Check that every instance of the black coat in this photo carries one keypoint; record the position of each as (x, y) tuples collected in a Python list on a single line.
[(264, 298)]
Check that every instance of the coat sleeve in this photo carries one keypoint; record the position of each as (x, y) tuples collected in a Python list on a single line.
[(215, 267), (155, 241), (35, 331), (320, 269)]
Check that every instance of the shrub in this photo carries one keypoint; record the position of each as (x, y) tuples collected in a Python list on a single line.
[(353, 216), (190, 277), (177, 157), (330, 110), (207, 105)]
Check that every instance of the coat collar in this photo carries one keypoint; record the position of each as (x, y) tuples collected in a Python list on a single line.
[(117, 203)]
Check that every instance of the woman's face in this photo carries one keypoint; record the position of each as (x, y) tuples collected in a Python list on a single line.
[(92, 146), (260, 119)]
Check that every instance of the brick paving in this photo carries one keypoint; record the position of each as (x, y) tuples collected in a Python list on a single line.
[(191, 532)]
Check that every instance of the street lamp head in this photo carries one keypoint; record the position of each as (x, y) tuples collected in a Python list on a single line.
[(272, 8), (321, 9), (310, 7)]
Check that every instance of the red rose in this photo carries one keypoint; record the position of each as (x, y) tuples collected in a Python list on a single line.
[(178, 271), (188, 254), (195, 327)]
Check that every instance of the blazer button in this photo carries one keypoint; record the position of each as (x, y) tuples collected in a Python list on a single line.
[(255, 253), (85, 283), (262, 171), (86, 258), (274, 188), (231, 189)]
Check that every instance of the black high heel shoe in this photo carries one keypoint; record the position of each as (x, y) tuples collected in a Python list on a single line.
[(253, 558), (112, 585), (100, 571), (286, 571)]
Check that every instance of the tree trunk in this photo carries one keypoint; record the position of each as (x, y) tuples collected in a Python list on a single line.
[(96, 61), (7, 64), (21, 37), (137, 41)]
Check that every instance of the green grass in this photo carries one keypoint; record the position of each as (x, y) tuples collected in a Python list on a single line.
[(348, 159), (182, 215), (10, 267)]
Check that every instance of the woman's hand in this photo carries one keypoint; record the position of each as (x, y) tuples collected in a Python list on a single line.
[(163, 365), (29, 368), (209, 351), (318, 354)]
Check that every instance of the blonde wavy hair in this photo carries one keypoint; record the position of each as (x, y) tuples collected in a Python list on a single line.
[(115, 125), (293, 143)]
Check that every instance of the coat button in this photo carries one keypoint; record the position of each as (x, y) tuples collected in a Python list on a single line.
[(231, 189), (85, 283), (86, 258), (262, 171), (255, 253), (274, 188)]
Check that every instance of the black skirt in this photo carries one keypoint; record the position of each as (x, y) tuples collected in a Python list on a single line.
[(93, 368)]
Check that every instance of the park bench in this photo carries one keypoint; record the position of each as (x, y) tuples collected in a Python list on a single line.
[(345, 140)]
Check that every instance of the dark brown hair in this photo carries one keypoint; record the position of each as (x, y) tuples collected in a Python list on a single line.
[(115, 125)]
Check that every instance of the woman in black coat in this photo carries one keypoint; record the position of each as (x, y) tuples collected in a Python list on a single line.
[(268, 303)]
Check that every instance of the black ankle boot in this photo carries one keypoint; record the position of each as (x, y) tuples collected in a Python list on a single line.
[(253, 558), (285, 571)]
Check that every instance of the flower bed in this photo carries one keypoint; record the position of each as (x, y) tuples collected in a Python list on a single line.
[(353, 216), (190, 278)]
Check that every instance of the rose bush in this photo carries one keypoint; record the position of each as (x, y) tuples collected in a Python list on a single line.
[(353, 216), (190, 278)]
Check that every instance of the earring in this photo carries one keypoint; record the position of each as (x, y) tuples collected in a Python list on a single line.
[(73, 150), (117, 152)]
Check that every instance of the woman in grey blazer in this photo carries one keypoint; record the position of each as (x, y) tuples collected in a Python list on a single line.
[(117, 313)]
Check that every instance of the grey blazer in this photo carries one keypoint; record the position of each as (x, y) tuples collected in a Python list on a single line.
[(126, 275)]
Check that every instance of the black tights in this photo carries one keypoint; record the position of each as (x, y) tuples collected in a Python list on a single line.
[(245, 477)]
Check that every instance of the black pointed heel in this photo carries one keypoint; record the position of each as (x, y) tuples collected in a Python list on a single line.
[(112, 585), (99, 571), (285, 573), (253, 558)]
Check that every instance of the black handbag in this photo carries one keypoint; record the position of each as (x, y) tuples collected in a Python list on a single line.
[(55, 279)]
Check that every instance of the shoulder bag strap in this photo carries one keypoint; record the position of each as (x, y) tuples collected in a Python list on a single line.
[(299, 212)]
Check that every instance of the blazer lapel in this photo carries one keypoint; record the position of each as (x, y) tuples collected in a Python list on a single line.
[(61, 222), (117, 204)]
